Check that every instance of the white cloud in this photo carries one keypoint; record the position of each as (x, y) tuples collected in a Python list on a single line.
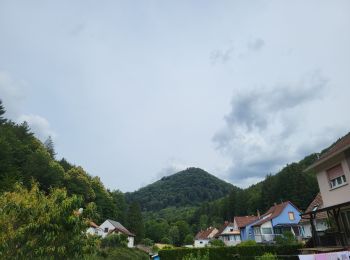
[(38, 125)]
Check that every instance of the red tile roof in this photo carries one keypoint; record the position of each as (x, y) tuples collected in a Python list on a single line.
[(273, 212), (204, 234), (317, 202), (339, 146), (245, 220)]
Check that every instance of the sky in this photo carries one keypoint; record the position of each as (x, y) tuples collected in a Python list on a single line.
[(135, 90)]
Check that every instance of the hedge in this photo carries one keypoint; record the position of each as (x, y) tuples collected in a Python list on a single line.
[(288, 252)]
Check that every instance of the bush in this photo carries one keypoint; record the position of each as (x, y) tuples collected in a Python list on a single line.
[(286, 239), (199, 256), (247, 243), (217, 243), (165, 240), (229, 253), (147, 242), (188, 239), (114, 240), (268, 256)]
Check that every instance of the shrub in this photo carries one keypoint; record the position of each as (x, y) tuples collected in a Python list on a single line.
[(217, 243), (114, 240), (147, 242), (199, 256), (165, 240), (188, 240), (229, 253), (268, 256), (286, 239), (247, 243)]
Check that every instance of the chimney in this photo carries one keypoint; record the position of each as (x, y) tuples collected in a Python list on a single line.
[(258, 213)]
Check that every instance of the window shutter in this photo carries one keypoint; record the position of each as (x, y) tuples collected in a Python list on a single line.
[(335, 172)]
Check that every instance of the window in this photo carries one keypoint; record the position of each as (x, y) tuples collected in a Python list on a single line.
[(336, 176), (266, 231), (106, 230), (291, 216)]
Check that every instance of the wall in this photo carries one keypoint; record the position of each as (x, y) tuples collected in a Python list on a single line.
[(201, 243), (104, 225), (338, 195), (130, 241), (283, 218)]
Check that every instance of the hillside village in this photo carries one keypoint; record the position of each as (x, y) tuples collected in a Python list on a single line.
[(324, 225)]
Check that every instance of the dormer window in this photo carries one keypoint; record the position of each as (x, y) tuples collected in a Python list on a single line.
[(336, 176)]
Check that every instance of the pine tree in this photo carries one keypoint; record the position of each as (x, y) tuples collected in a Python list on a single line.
[(49, 145), (2, 112), (135, 221)]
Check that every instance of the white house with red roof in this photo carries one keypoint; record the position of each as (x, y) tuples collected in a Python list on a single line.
[(229, 233), (203, 237)]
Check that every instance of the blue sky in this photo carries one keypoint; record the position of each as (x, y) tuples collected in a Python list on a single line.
[(133, 91)]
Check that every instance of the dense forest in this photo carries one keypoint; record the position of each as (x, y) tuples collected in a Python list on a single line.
[(170, 210), (190, 187), (27, 161)]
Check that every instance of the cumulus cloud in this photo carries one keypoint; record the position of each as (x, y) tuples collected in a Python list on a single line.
[(38, 125), (261, 130)]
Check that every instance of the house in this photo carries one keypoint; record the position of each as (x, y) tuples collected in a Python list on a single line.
[(93, 229), (229, 234), (320, 220), (278, 219), (244, 224), (203, 238), (332, 170), (111, 226)]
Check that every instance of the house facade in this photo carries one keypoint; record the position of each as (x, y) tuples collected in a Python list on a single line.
[(203, 238), (109, 227), (320, 222), (94, 229), (277, 220), (244, 224), (332, 170), (229, 233)]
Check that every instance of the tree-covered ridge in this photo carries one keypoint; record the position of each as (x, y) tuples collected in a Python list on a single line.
[(25, 160), (190, 187)]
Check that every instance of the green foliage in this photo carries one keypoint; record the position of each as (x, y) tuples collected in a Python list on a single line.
[(134, 221), (119, 253), (268, 256), (189, 239), (287, 238), (147, 242), (114, 240), (198, 256), (186, 188), (228, 253), (34, 225), (217, 243), (50, 147), (174, 235), (247, 243), (165, 240), (121, 205), (2, 112)]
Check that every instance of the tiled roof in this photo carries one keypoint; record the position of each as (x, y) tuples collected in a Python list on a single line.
[(93, 224), (341, 145), (222, 228), (119, 227), (273, 212), (205, 234), (317, 202), (245, 220)]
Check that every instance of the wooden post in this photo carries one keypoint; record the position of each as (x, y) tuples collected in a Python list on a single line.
[(315, 238), (336, 214)]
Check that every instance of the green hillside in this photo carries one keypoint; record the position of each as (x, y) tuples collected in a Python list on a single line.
[(190, 187)]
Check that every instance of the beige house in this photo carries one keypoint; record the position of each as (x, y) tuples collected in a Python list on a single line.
[(333, 175)]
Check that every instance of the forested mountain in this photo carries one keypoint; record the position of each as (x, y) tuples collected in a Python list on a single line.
[(190, 187), (26, 160)]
